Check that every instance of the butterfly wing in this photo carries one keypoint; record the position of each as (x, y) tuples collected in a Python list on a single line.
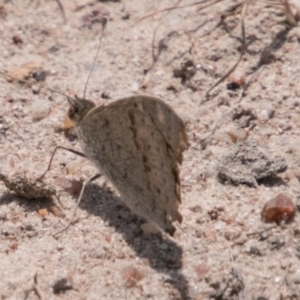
[(138, 142)]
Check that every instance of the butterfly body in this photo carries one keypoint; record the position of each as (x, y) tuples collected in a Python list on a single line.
[(137, 142)]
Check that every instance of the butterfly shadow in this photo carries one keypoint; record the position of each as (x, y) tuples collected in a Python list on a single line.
[(162, 253)]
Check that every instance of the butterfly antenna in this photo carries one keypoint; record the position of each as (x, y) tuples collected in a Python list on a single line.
[(103, 23), (23, 81)]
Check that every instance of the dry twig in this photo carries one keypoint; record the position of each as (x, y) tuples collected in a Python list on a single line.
[(244, 9)]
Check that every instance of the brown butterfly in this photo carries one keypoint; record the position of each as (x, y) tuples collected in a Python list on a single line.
[(137, 142)]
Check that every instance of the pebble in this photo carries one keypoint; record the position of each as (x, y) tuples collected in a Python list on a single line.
[(238, 135), (35, 89), (43, 212), (13, 205), (237, 78), (63, 283), (232, 235), (40, 110), (278, 209), (134, 87), (39, 75), (3, 216), (8, 229), (71, 186), (254, 250), (74, 167), (27, 226), (131, 275)]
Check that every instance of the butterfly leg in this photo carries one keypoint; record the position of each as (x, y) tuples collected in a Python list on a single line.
[(78, 202), (50, 162), (58, 200)]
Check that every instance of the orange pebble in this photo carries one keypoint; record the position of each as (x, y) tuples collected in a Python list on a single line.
[(279, 208), (43, 212)]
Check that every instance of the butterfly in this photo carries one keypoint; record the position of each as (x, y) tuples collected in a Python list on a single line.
[(138, 143)]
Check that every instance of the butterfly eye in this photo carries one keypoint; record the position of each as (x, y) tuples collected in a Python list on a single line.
[(71, 112)]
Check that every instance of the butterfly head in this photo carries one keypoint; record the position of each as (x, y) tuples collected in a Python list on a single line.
[(79, 107)]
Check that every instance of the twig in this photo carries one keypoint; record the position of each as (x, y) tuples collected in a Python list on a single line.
[(242, 94), (244, 9), (36, 288), (260, 232), (155, 56), (177, 7), (62, 10), (247, 84), (289, 14)]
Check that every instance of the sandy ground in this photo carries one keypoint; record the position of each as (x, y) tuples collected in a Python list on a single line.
[(222, 250)]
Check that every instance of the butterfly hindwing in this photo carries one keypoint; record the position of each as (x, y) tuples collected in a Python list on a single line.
[(138, 143)]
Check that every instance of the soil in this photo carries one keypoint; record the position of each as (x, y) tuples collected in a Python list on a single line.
[(222, 249)]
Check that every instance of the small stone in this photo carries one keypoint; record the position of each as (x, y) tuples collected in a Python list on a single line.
[(232, 235), (134, 87), (39, 75), (120, 255), (214, 283), (236, 79), (40, 110), (186, 71), (275, 243), (278, 209), (72, 187), (8, 229), (277, 279), (17, 40), (62, 284), (297, 91), (296, 232), (262, 298), (13, 206), (43, 212), (27, 226), (3, 216), (13, 246), (60, 247), (214, 214), (298, 204), (241, 240), (238, 135), (201, 270), (74, 167), (284, 264), (35, 89), (57, 212), (131, 275), (255, 251)]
